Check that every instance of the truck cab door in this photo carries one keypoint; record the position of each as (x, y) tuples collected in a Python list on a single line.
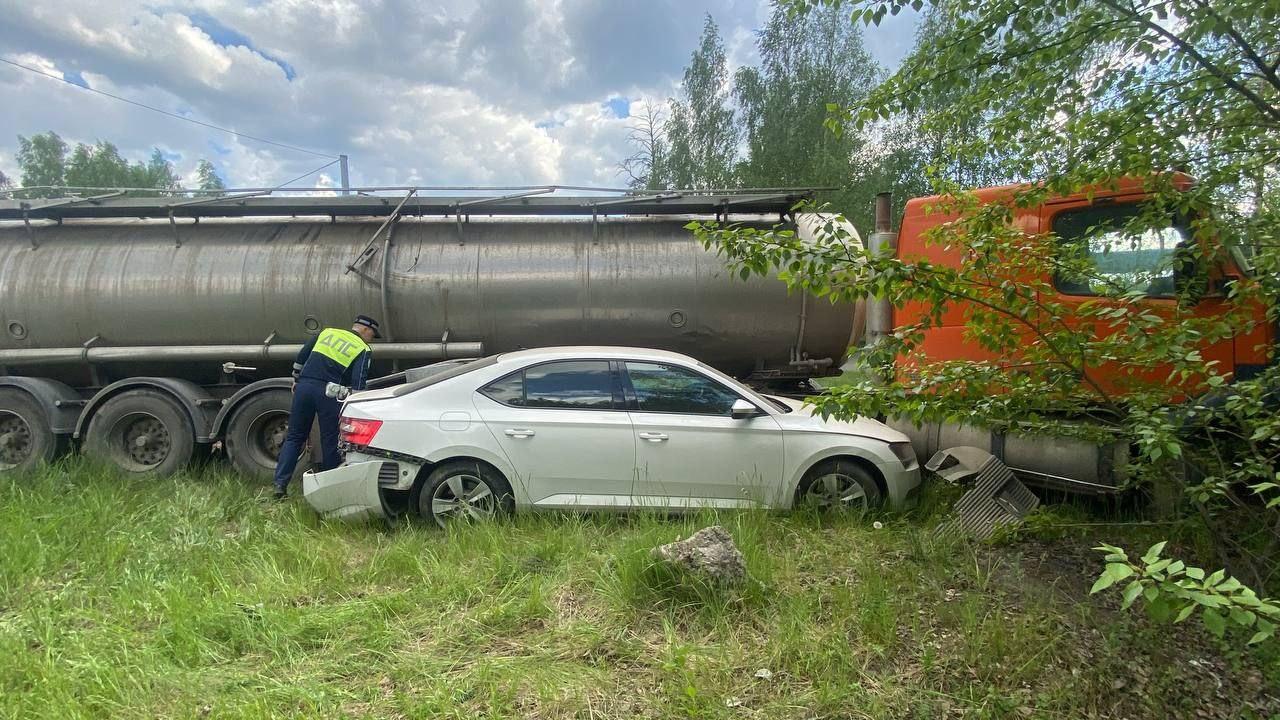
[(1156, 263)]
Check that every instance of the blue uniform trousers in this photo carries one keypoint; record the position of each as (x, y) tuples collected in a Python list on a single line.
[(309, 402)]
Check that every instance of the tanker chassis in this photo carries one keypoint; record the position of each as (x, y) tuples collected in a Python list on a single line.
[(149, 330)]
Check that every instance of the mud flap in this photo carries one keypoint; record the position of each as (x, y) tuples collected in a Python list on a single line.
[(997, 498)]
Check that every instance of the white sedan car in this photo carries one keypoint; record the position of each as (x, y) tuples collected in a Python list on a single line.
[(597, 428)]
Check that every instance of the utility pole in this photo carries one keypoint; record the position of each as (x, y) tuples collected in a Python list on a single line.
[(346, 180)]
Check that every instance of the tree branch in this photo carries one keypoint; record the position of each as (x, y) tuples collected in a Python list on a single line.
[(1204, 62)]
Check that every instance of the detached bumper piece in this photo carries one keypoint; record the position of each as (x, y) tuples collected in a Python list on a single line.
[(997, 499), (350, 492)]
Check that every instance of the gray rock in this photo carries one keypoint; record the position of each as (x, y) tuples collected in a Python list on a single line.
[(710, 552)]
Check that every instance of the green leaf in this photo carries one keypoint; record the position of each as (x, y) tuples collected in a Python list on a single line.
[(1186, 613), (1114, 573), (1153, 553), (1215, 621), (1242, 617), (1131, 593), (1195, 573), (1229, 585), (1265, 630)]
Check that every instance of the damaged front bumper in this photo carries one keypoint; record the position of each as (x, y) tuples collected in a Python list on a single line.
[(351, 492)]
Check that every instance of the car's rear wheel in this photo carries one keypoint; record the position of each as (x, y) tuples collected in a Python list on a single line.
[(462, 491), (834, 485)]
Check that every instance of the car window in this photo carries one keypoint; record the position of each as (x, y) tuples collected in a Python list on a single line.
[(574, 384), (508, 391), (673, 389), (1121, 259)]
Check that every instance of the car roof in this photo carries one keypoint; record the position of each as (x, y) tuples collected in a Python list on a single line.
[(594, 351)]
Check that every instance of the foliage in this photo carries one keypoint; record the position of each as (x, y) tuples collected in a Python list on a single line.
[(906, 151), (5, 182), (1219, 598), (805, 63), (101, 166), (1079, 95), (45, 162), (42, 160), (208, 176), (700, 132)]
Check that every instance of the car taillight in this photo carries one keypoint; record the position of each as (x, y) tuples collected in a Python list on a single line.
[(358, 431)]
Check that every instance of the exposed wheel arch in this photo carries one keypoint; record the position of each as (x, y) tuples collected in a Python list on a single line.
[(194, 400), (429, 466), (243, 395), (60, 403)]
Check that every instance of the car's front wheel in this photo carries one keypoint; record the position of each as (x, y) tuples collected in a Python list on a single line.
[(838, 485), (462, 491)]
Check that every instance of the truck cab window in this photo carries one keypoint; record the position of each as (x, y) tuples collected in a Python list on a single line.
[(1120, 260)]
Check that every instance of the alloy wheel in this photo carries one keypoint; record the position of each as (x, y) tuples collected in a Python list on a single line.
[(836, 491), (463, 496)]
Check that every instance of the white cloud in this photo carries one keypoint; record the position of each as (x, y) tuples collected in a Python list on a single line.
[(457, 92)]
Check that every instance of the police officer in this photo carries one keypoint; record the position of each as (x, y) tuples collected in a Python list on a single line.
[(333, 356)]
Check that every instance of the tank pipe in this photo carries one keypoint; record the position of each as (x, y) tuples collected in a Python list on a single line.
[(383, 290), (188, 353)]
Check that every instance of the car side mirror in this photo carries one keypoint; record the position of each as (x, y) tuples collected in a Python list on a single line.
[(743, 410)]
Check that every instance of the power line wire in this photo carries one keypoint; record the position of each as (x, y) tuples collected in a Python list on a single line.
[(283, 184), (165, 112)]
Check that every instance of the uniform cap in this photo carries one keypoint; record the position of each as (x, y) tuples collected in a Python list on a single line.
[(369, 323)]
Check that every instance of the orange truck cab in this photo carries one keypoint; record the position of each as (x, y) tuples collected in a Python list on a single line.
[(1064, 464), (1069, 220)]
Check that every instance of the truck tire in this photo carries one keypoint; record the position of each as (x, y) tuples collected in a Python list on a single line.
[(26, 440), (142, 431), (255, 432), (834, 485)]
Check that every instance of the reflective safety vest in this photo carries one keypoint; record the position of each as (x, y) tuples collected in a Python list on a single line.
[(340, 346)]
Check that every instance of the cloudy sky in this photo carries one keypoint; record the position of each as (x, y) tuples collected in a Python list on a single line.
[(439, 92)]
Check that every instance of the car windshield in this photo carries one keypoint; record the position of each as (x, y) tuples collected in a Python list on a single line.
[(443, 375)]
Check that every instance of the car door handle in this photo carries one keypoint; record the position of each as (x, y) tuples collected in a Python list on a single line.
[(653, 436), (518, 433)]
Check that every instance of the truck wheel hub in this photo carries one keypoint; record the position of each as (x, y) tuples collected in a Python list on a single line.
[(15, 440), (147, 441), (273, 435)]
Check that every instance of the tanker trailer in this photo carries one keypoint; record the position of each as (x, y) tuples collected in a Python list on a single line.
[(144, 328)]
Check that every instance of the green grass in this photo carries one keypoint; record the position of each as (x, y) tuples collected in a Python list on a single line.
[(197, 597)]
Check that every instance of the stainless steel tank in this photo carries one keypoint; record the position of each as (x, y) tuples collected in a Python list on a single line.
[(506, 282)]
